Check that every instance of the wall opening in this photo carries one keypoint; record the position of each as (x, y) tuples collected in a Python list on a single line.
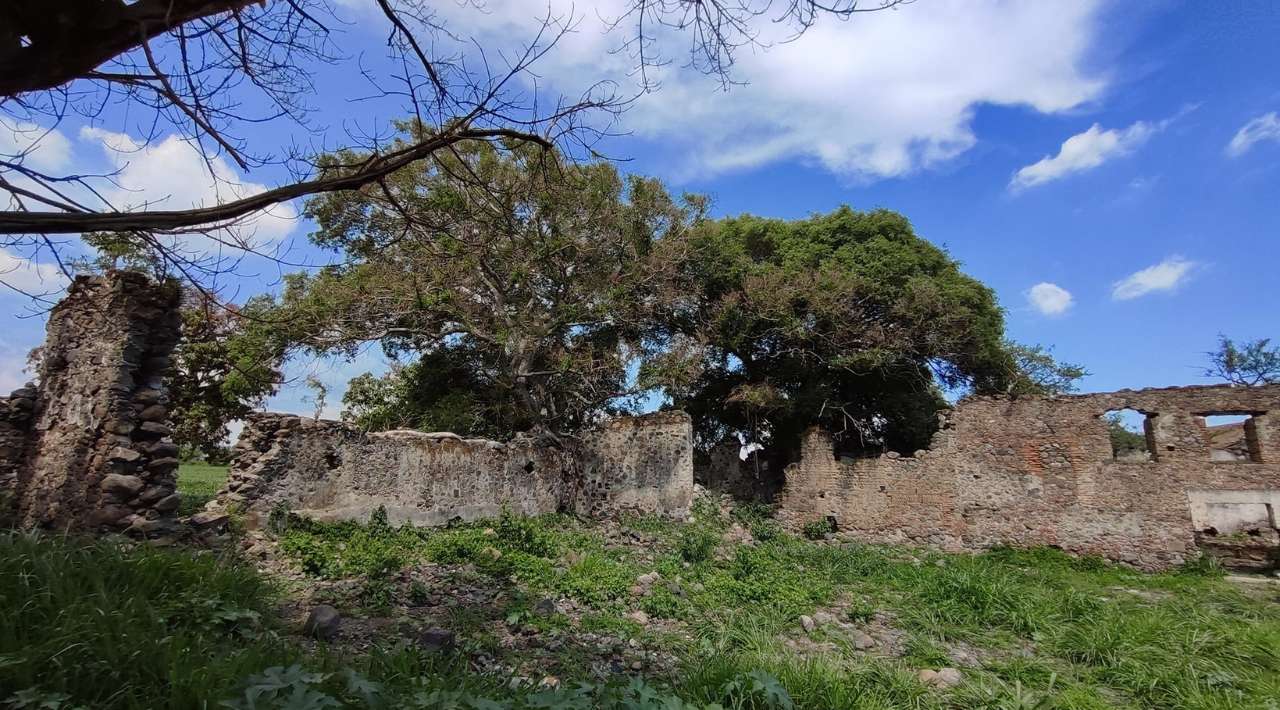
[(1131, 435), (1231, 436)]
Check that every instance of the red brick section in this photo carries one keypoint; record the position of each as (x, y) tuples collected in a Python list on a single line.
[(1040, 471)]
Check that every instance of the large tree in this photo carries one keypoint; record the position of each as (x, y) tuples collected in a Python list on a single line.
[(529, 278), (847, 320)]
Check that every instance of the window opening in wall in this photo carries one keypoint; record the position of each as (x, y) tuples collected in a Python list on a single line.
[(1130, 433), (1231, 437)]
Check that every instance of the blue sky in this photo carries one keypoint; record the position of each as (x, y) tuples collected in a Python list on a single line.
[(1112, 170)]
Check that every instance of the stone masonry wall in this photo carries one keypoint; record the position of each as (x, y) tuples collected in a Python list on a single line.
[(331, 470), (88, 447), (1039, 471)]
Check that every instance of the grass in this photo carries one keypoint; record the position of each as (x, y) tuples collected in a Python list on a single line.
[(1043, 629), (198, 483)]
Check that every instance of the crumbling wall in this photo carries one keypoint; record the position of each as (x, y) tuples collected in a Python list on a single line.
[(1039, 471), (642, 464), (332, 470), (89, 447), (725, 470)]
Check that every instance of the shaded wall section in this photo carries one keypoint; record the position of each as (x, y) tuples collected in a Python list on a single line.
[(1040, 471), (88, 447), (331, 470)]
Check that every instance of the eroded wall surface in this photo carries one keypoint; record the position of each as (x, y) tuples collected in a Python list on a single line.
[(331, 470), (1040, 471), (88, 447)]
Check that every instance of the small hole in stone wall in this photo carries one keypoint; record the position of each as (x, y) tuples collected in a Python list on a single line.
[(1130, 433), (333, 459), (528, 467), (1232, 437)]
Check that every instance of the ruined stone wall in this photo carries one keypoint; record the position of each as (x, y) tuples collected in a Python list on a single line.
[(1039, 471), (331, 470), (725, 470), (88, 447)]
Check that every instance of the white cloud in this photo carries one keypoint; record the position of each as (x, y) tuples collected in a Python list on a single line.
[(1050, 299), (1263, 128), (1165, 276), (43, 149), (881, 95), (1084, 151), (28, 276), (171, 174)]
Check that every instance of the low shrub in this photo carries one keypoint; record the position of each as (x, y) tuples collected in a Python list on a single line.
[(818, 529), (697, 543)]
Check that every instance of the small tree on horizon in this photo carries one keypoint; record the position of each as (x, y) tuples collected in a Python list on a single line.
[(1249, 364)]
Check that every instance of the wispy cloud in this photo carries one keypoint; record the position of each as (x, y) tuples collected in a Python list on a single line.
[(884, 94), (1263, 128), (30, 277), (1168, 275), (1050, 299), (1084, 151)]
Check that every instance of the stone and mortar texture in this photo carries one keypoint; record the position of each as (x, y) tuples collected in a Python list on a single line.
[(1040, 471), (88, 447), (332, 471)]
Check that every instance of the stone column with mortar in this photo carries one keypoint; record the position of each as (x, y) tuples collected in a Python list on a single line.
[(98, 453)]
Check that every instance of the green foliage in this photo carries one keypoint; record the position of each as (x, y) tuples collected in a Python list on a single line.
[(337, 550), (1037, 372), (766, 530), (697, 543), (752, 512), (198, 483), (818, 529), (1249, 364), (1124, 442), (106, 626), (517, 280), (227, 362), (846, 320), (523, 534), (101, 625)]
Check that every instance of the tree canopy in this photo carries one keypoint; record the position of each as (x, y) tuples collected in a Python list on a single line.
[(527, 278), (847, 320), (1249, 364)]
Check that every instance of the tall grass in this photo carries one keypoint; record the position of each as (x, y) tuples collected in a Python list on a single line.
[(129, 627)]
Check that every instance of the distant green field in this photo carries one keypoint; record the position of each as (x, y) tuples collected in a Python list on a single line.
[(198, 482)]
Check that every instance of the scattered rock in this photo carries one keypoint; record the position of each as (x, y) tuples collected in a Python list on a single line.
[(437, 640), (169, 503), (164, 465), (208, 520), (941, 678), (155, 429), (121, 455), (862, 641), (120, 486), (822, 618), (322, 622), (806, 622), (154, 413), (545, 607), (639, 617)]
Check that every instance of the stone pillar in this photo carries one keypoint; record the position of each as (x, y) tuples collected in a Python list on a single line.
[(98, 454)]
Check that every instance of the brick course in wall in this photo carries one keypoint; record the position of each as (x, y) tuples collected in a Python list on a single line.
[(331, 470), (1039, 471)]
